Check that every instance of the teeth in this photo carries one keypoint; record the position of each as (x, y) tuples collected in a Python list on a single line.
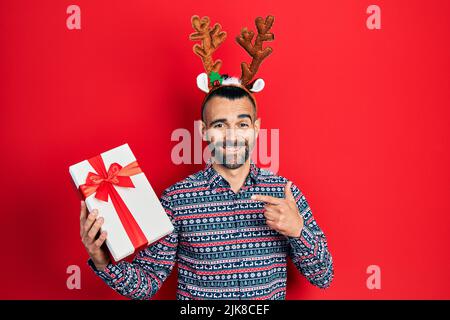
[(232, 148)]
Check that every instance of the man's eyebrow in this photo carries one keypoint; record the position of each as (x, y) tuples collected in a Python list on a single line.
[(217, 120), (245, 115)]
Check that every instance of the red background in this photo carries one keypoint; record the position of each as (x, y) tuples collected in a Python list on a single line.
[(363, 118)]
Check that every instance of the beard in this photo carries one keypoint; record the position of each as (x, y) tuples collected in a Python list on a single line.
[(231, 154)]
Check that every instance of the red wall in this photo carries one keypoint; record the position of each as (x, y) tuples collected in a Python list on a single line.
[(363, 117)]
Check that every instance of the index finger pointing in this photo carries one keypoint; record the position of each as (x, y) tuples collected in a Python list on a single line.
[(288, 191), (268, 199)]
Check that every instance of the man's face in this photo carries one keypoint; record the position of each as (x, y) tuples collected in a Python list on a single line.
[(231, 129)]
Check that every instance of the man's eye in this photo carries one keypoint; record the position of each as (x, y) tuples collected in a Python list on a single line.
[(244, 125), (218, 125)]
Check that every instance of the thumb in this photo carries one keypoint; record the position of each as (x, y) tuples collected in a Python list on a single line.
[(287, 191)]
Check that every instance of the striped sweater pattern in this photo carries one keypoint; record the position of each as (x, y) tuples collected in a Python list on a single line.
[(222, 244)]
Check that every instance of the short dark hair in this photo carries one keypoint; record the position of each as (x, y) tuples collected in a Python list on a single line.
[(230, 92)]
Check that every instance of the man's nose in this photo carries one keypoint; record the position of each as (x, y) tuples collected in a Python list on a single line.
[(231, 134), (234, 134)]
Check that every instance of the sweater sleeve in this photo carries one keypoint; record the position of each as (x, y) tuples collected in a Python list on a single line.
[(144, 276), (309, 252)]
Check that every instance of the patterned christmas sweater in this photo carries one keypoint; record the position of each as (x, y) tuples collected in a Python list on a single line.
[(222, 244)]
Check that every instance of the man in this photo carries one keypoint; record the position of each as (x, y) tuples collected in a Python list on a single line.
[(235, 223)]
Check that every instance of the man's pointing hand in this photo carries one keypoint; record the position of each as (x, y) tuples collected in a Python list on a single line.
[(282, 215)]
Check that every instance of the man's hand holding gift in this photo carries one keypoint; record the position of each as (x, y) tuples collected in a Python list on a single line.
[(92, 240)]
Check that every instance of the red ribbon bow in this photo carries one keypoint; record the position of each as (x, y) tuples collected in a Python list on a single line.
[(100, 184), (103, 183)]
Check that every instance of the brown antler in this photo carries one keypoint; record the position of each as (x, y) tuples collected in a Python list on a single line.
[(255, 51), (211, 40)]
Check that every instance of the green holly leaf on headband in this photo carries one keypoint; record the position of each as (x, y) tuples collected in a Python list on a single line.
[(213, 76)]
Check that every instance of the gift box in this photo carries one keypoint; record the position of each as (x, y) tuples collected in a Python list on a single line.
[(113, 183)]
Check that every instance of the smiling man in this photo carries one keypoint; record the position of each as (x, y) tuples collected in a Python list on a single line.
[(235, 223)]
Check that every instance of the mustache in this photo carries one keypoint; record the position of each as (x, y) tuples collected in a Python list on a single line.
[(230, 143)]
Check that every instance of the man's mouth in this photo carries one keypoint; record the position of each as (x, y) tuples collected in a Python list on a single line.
[(232, 148)]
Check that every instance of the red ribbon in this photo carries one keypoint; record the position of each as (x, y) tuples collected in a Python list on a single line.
[(102, 184)]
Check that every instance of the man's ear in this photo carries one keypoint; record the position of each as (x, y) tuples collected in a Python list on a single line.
[(203, 131), (257, 127)]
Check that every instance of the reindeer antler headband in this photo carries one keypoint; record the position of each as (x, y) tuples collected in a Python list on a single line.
[(213, 37)]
